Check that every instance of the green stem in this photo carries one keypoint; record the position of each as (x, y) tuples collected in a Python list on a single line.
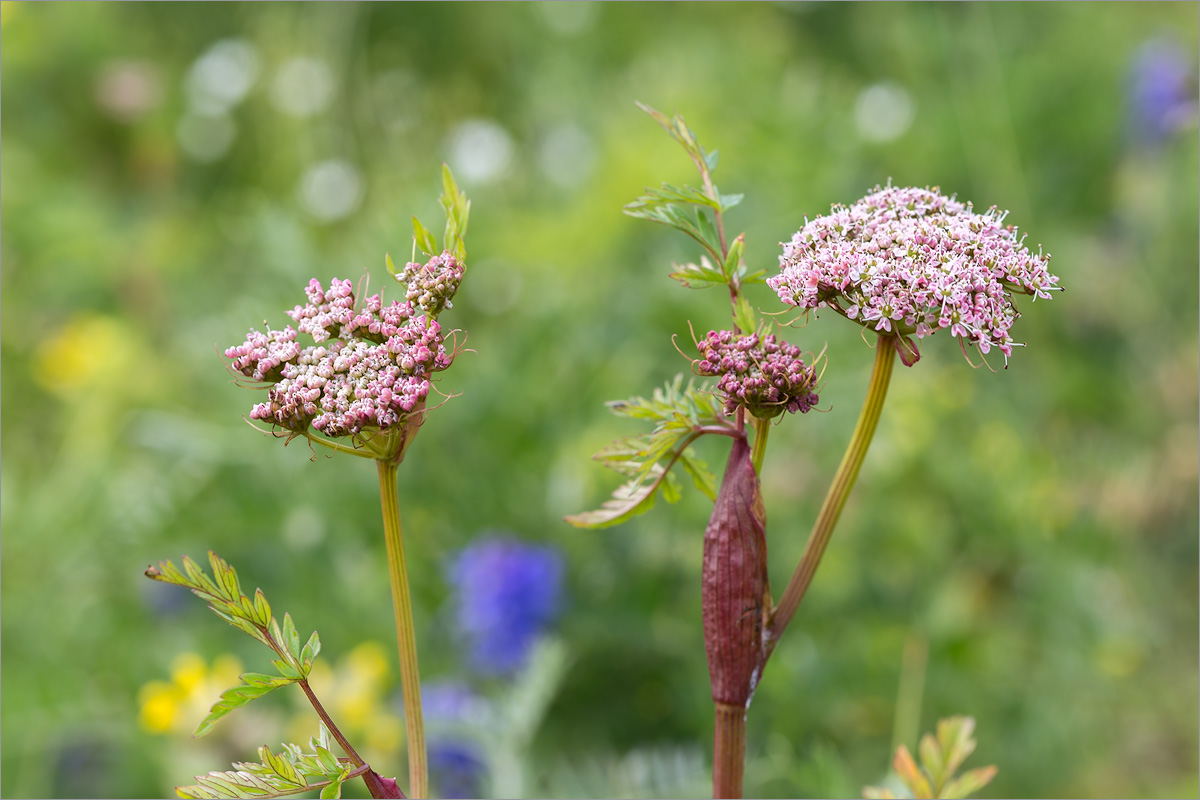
[(761, 428), (410, 679), (729, 750), (839, 490)]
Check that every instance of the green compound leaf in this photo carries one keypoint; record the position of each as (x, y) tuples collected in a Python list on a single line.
[(239, 696), (332, 790), (734, 260), (291, 639), (629, 500), (708, 229), (699, 276), (424, 239), (728, 201), (458, 210), (671, 194), (262, 609), (289, 772), (226, 577), (251, 616), (678, 414), (743, 314), (311, 649), (745, 276), (680, 218)]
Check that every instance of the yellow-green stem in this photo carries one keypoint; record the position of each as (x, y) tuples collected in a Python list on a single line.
[(729, 750), (761, 428), (410, 679), (839, 490)]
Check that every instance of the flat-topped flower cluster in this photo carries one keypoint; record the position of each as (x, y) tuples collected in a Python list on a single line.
[(762, 373), (369, 367), (913, 261)]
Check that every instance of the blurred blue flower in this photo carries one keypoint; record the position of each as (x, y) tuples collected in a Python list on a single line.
[(506, 593), (456, 767), (456, 764), (1162, 90)]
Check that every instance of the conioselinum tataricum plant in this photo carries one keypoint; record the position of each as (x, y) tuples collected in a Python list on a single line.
[(902, 262), (361, 388)]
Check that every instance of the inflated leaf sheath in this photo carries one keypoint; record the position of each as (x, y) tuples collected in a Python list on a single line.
[(736, 597)]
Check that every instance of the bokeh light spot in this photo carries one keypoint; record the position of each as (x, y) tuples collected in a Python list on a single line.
[(331, 190), (204, 137), (223, 76), (883, 112), (303, 87), (480, 150)]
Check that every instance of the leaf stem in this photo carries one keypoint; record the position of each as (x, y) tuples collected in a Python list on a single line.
[(839, 491), (375, 785), (729, 750), (355, 758), (410, 679)]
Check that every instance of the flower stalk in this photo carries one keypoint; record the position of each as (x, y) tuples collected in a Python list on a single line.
[(839, 491), (410, 681)]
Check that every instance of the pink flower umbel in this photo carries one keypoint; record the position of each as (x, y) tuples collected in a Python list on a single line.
[(765, 375), (369, 368), (906, 261), (373, 375)]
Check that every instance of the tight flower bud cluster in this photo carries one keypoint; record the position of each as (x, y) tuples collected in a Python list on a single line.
[(764, 374), (913, 261), (432, 284), (373, 374)]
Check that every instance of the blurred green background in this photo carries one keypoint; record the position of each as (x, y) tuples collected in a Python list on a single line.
[(1021, 546)]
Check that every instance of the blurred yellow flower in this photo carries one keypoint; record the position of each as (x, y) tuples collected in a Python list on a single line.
[(178, 706), (88, 347), (159, 703)]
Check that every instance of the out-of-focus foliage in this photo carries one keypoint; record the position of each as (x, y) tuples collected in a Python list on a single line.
[(175, 173), (941, 756)]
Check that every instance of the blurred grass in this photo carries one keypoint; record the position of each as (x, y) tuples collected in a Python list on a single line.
[(1036, 526)]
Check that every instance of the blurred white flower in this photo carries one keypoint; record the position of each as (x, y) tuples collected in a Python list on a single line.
[(883, 112), (303, 86), (480, 150), (331, 190)]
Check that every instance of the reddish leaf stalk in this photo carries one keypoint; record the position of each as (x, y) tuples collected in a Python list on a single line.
[(377, 785), (736, 599)]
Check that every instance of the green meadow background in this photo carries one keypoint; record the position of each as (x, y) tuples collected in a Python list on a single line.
[(1022, 543)]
